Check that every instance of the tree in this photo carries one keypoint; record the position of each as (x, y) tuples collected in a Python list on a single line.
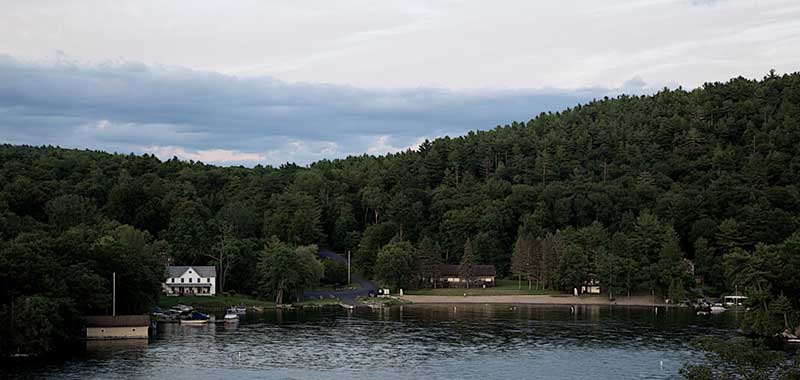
[(466, 270), (335, 272), (294, 218), (554, 251), (428, 261), (283, 269), (526, 261), (70, 210), (372, 240), (396, 264), (739, 358)]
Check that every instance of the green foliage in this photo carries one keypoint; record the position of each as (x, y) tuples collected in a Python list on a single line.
[(70, 210), (335, 272), (396, 265), (739, 358), (286, 270), (466, 270), (294, 218), (428, 259), (372, 240)]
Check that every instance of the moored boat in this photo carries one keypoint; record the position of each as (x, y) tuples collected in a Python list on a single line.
[(196, 318), (231, 315), (717, 308)]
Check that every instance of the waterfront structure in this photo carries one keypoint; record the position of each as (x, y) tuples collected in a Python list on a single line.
[(482, 275), (591, 285), (191, 280), (117, 327)]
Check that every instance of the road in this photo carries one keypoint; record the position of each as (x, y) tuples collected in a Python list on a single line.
[(346, 296)]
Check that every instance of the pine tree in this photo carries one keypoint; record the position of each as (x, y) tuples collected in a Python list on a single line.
[(428, 261), (467, 268)]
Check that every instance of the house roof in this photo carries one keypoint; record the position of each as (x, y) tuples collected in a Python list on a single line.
[(203, 271), (478, 270), (118, 321)]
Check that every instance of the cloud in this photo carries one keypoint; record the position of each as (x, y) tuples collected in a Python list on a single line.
[(212, 155), (202, 115)]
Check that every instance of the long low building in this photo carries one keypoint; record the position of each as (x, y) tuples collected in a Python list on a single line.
[(117, 327), (482, 275)]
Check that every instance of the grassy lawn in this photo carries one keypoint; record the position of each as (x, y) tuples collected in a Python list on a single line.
[(212, 301), (503, 288)]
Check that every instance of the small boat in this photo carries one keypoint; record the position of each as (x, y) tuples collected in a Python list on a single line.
[(196, 318), (231, 315), (239, 310), (717, 308), (183, 308)]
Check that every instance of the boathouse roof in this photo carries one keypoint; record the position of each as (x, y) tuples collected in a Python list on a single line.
[(117, 321)]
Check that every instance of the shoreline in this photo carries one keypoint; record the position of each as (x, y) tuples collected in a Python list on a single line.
[(536, 300)]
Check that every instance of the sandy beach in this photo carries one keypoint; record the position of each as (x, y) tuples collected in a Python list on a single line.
[(537, 299)]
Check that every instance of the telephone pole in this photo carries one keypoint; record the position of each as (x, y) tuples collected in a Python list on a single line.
[(348, 267), (114, 294)]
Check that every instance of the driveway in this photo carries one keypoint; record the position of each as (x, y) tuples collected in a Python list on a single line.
[(346, 296)]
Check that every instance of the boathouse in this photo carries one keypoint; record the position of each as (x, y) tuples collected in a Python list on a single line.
[(117, 327), (191, 280)]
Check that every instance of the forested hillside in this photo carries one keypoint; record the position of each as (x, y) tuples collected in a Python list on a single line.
[(662, 193)]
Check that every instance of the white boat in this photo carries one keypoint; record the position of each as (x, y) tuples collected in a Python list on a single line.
[(238, 310), (734, 300), (231, 315), (717, 308)]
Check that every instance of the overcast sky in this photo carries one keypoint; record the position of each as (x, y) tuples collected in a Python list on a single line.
[(276, 81)]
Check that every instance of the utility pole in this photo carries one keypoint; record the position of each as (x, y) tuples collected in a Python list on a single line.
[(348, 267), (114, 294)]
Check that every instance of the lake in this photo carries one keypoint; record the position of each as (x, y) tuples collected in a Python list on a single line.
[(408, 342)]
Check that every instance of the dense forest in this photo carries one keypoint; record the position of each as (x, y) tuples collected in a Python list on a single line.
[(676, 193)]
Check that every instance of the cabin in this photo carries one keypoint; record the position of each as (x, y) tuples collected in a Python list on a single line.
[(117, 327), (591, 285), (191, 280), (483, 275)]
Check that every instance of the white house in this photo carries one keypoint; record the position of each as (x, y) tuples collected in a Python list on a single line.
[(194, 280)]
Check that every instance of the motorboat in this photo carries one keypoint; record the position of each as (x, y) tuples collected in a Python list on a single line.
[(196, 318), (231, 315), (241, 310), (717, 308), (731, 301)]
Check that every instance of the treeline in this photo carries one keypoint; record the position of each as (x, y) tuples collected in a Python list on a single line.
[(669, 193)]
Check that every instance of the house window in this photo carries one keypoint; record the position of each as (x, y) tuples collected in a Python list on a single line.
[(181, 281), (190, 280), (133, 330)]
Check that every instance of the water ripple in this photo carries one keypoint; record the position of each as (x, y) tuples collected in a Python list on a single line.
[(410, 342)]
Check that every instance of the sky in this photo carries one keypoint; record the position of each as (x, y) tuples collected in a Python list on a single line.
[(269, 82)]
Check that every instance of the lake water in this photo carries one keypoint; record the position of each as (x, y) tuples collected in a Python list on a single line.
[(409, 342)]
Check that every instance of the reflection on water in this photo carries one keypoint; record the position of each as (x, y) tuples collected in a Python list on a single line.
[(111, 345), (412, 342)]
